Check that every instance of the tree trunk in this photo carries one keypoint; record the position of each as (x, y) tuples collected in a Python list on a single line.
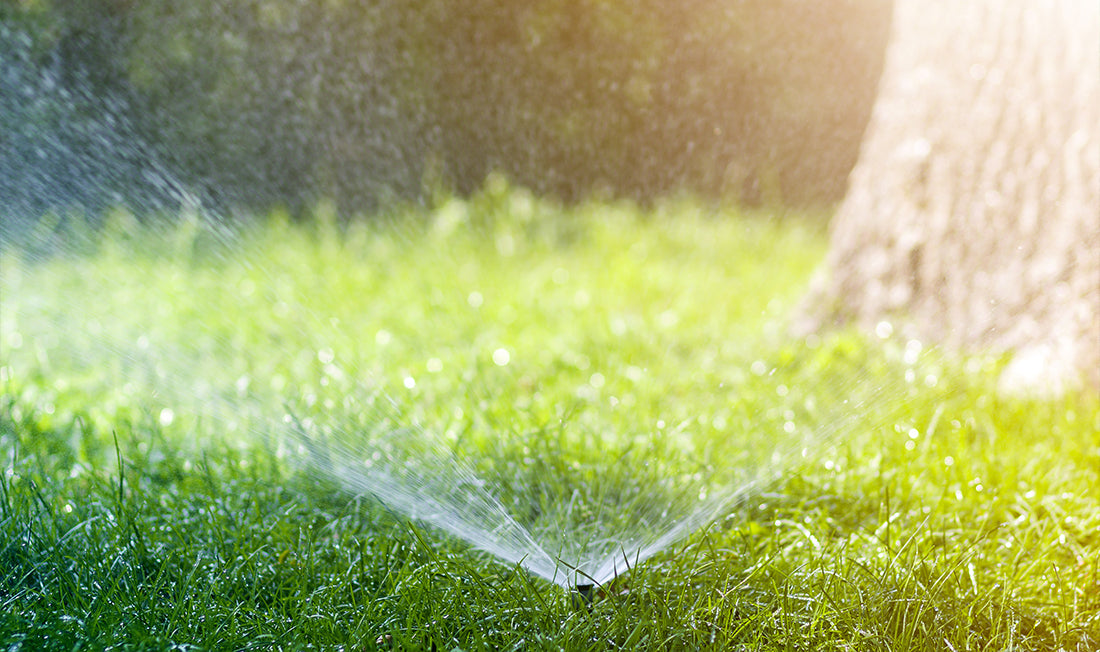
[(972, 218)]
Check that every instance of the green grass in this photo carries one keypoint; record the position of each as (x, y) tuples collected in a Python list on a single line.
[(146, 503)]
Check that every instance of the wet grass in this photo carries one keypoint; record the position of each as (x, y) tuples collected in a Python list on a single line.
[(145, 502)]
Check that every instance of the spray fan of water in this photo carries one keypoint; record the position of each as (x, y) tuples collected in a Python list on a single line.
[(567, 523), (573, 514)]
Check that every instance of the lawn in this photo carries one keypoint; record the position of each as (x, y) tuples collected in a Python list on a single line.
[(188, 413)]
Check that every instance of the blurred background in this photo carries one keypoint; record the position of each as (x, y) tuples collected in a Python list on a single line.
[(246, 105)]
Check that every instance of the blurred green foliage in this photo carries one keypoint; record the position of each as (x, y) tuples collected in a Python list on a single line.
[(258, 102)]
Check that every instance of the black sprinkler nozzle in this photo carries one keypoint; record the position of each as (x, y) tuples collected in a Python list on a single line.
[(584, 595)]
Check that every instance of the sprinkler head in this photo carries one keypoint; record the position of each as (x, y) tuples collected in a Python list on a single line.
[(583, 596)]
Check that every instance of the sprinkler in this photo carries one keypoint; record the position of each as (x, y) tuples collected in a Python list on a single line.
[(582, 596)]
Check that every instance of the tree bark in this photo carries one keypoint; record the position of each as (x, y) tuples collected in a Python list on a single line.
[(972, 217)]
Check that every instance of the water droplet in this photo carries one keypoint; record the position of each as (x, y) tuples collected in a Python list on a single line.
[(884, 329), (634, 373), (409, 382), (948, 461), (167, 416), (912, 351), (759, 368), (325, 356), (506, 245), (596, 380), (501, 357)]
